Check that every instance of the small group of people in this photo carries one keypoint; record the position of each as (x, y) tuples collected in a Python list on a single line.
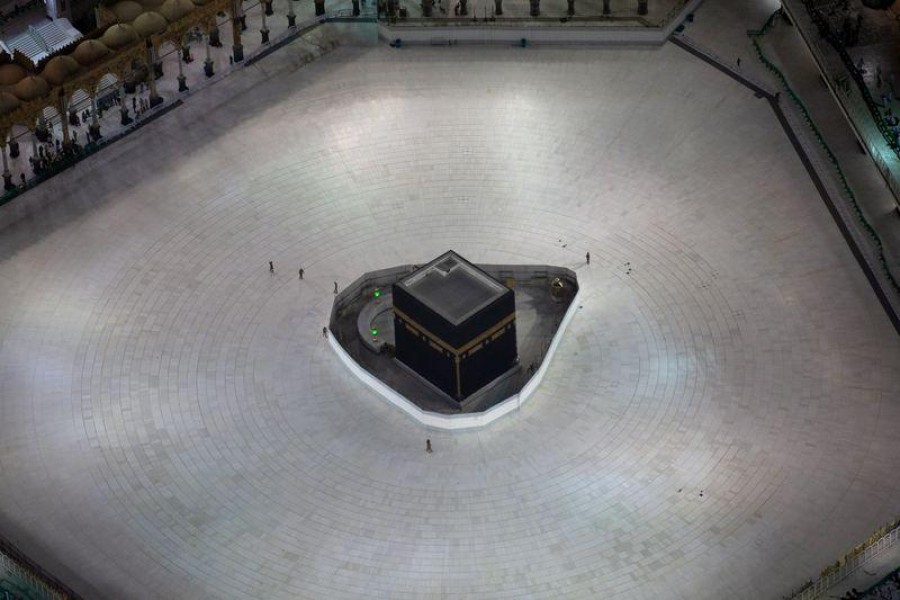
[(51, 154), (888, 589), (139, 105)]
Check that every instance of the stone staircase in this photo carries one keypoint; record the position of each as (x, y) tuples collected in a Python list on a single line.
[(37, 43)]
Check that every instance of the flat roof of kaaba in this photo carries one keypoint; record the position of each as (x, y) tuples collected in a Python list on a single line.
[(453, 287)]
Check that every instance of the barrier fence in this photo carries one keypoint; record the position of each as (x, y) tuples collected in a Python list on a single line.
[(835, 168), (861, 110), (881, 540), (22, 579)]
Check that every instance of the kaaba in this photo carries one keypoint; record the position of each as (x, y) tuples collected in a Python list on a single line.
[(454, 325)]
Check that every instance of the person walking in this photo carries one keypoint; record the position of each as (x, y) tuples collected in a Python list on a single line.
[(325, 332), (428, 446), (587, 258), (301, 273), (335, 288), (271, 267)]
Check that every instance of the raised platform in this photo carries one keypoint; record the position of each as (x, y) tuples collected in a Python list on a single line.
[(541, 321)]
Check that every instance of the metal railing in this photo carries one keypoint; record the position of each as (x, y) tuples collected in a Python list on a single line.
[(825, 30), (23, 578), (861, 110), (844, 191), (848, 564)]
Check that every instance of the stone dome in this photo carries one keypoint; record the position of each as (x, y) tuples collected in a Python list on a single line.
[(151, 4), (127, 10), (12, 74), (150, 23), (89, 52), (8, 102), (59, 69), (118, 36), (30, 87), (173, 10)]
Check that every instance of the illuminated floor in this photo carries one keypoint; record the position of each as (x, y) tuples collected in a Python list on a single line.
[(172, 424)]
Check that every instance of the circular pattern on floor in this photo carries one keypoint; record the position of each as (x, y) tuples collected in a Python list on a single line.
[(722, 398)]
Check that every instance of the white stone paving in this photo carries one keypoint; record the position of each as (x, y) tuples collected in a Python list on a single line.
[(172, 424)]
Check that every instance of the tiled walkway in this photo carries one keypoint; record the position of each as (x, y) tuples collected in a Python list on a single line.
[(720, 422)]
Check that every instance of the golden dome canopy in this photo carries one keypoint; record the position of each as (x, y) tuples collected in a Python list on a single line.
[(30, 87), (8, 102), (12, 74), (118, 36), (149, 23), (173, 10), (89, 52), (59, 69), (127, 10)]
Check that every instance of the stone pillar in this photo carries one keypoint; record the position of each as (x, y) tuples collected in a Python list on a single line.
[(34, 146), (264, 31), (123, 105), (94, 127), (463, 7), (571, 9), (535, 8), (606, 10), (62, 117), (208, 63), (642, 7), (182, 80), (155, 98), (157, 64), (320, 7), (236, 25), (13, 147), (213, 34), (7, 176), (269, 11), (41, 131), (427, 5), (498, 7), (292, 18), (356, 8)]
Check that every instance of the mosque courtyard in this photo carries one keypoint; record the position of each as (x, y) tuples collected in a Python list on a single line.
[(721, 419)]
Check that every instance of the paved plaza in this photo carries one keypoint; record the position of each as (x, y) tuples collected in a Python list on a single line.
[(721, 420)]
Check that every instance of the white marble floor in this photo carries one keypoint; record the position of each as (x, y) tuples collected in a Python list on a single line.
[(172, 425)]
